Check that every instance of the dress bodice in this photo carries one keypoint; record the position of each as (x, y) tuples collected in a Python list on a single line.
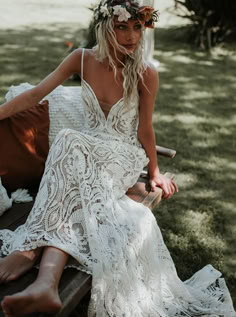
[(122, 120)]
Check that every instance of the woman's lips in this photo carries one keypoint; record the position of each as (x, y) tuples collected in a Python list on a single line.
[(130, 46)]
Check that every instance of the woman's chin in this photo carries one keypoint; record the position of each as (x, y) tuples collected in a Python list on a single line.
[(128, 50)]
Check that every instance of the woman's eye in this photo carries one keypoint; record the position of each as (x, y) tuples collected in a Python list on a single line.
[(138, 26), (120, 27)]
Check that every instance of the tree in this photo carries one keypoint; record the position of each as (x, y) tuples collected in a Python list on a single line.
[(213, 20)]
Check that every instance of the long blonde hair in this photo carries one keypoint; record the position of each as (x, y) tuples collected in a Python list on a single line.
[(133, 66)]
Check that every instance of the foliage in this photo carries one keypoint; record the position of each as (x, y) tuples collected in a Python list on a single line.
[(213, 20)]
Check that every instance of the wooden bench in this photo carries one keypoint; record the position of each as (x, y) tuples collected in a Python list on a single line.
[(74, 284)]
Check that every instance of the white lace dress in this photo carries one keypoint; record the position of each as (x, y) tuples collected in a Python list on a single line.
[(82, 209)]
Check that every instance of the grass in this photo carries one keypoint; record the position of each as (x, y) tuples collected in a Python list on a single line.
[(195, 114)]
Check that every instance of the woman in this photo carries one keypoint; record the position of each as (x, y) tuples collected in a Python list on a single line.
[(81, 216)]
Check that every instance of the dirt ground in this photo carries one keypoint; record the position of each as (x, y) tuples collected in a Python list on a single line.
[(20, 13)]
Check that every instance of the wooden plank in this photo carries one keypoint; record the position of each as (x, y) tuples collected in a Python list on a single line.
[(140, 192), (15, 216), (74, 291), (165, 151)]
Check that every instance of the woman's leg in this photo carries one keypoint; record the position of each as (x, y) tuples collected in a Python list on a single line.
[(17, 263), (42, 295)]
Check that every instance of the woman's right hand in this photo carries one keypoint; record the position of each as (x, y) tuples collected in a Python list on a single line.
[(168, 185)]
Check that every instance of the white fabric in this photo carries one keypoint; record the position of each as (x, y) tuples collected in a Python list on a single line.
[(19, 196), (5, 201), (82, 209), (65, 107)]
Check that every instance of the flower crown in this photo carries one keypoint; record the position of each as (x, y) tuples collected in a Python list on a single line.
[(124, 10)]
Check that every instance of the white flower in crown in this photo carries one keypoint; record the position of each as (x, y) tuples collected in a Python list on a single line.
[(96, 15), (123, 14), (104, 10)]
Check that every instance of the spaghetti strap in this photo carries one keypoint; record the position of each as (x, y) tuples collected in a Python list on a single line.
[(82, 65)]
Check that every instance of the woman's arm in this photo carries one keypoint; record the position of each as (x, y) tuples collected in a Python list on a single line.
[(146, 133), (31, 97)]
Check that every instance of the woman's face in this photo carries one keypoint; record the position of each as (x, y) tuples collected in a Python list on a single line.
[(128, 34)]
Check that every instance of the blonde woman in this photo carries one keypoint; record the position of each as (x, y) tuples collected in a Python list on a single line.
[(81, 216)]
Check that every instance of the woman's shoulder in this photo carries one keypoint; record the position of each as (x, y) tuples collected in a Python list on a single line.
[(86, 52), (150, 73), (150, 78)]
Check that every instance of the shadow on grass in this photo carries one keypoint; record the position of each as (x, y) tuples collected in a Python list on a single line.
[(195, 114), (29, 54)]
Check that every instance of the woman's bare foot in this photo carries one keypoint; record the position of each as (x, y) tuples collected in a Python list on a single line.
[(16, 264), (38, 297)]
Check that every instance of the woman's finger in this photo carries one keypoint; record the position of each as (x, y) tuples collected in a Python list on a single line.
[(153, 186), (165, 189), (175, 185)]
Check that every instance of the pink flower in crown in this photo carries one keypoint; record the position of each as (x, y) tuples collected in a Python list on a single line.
[(122, 13)]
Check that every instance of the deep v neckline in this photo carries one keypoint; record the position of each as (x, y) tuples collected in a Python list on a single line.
[(98, 104)]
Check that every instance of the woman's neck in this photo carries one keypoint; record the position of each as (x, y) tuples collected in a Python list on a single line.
[(118, 58)]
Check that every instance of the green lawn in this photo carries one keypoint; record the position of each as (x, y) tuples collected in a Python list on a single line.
[(195, 114)]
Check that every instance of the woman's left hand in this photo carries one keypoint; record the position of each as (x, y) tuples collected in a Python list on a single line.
[(168, 186)]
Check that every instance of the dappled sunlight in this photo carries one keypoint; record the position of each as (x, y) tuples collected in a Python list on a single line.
[(230, 233), (196, 115), (53, 39), (167, 86), (223, 162), (199, 194), (207, 143), (182, 59), (6, 47), (182, 79), (224, 130), (231, 120), (188, 118), (164, 118), (31, 49), (10, 77), (230, 222), (185, 180), (199, 224), (195, 94), (206, 63), (40, 38), (163, 68)]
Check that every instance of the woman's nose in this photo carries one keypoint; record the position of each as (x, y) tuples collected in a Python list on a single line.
[(130, 36)]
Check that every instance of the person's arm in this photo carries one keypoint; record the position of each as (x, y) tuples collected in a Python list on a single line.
[(146, 133), (31, 97)]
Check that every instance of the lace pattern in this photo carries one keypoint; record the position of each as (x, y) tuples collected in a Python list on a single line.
[(81, 208)]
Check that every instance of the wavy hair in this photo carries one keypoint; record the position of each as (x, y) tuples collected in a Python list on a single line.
[(133, 66)]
